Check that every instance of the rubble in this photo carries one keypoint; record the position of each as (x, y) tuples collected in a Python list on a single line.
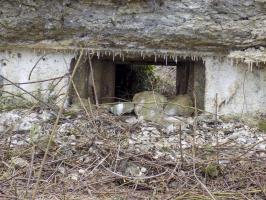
[(19, 162), (139, 148)]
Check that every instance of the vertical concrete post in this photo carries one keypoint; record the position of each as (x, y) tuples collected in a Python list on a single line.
[(104, 78), (80, 79), (182, 77)]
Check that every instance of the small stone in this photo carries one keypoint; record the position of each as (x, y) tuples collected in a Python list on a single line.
[(46, 115), (170, 128), (82, 171), (73, 176), (19, 162), (241, 140), (261, 147), (224, 162), (131, 120), (72, 137), (133, 170), (62, 170)]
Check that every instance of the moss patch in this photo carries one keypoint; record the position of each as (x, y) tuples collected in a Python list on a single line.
[(262, 125)]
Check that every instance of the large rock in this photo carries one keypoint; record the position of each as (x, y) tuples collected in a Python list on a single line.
[(122, 108), (181, 105), (210, 25), (149, 105)]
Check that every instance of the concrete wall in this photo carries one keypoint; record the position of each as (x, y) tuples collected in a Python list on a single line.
[(239, 89), (16, 65)]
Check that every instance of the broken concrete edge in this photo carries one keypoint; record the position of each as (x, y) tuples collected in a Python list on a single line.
[(249, 56)]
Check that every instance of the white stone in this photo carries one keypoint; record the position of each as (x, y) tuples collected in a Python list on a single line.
[(19, 162), (62, 170), (82, 171), (122, 108), (73, 176), (131, 120)]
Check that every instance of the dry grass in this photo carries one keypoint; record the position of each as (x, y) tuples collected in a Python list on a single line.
[(103, 156)]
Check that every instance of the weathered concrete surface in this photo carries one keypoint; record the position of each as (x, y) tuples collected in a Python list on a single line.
[(20, 65), (208, 25), (239, 90)]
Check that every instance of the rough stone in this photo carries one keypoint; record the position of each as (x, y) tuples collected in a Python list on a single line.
[(149, 105), (19, 162), (181, 105), (134, 170), (132, 120), (134, 24)]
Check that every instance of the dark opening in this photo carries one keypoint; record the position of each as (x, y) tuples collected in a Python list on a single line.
[(121, 81), (131, 79), (125, 77)]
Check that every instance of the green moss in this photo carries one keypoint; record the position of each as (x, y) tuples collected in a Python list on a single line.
[(212, 170), (209, 148), (262, 125)]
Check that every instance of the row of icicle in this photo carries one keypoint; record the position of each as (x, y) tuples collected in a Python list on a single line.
[(160, 54), (165, 55)]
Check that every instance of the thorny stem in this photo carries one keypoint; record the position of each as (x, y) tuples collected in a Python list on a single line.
[(54, 130), (193, 148), (93, 83), (216, 124)]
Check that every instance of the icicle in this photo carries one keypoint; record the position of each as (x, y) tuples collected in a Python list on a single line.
[(123, 58), (155, 58), (113, 56), (166, 59), (98, 54), (120, 54)]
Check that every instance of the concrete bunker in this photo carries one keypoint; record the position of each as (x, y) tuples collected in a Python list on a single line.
[(119, 80), (216, 81)]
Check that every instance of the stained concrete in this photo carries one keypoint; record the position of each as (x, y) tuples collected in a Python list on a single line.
[(239, 89), (17, 65)]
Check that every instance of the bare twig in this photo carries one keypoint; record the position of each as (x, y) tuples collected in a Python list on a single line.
[(194, 150), (54, 131), (93, 82), (215, 128)]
